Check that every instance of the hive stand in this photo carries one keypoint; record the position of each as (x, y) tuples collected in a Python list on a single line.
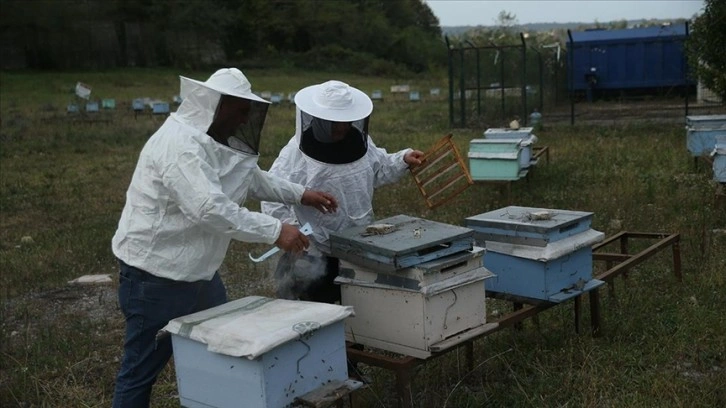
[(617, 263)]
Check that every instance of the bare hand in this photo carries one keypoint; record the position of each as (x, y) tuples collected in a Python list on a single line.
[(324, 202), (291, 239), (413, 158)]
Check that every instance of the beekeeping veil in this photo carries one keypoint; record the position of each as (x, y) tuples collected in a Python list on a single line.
[(333, 122), (242, 118)]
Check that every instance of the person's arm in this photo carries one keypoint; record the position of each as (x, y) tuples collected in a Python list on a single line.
[(390, 167), (195, 188), (281, 167)]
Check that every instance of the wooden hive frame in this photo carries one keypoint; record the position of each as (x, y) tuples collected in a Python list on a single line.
[(442, 174)]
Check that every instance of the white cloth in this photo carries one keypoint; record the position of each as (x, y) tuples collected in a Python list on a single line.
[(251, 326), (183, 205), (352, 184)]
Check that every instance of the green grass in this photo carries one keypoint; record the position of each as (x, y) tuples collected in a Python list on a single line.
[(63, 181)]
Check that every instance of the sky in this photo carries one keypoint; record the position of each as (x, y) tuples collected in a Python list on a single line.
[(485, 12)]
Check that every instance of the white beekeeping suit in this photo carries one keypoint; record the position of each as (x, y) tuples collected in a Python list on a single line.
[(331, 151), (184, 203)]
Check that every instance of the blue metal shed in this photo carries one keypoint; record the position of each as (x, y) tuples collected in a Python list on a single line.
[(650, 57)]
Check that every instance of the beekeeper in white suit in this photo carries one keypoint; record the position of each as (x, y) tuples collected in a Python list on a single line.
[(330, 151), (183, 207)]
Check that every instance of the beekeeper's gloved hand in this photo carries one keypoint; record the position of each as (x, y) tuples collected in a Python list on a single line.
[(291, 239)]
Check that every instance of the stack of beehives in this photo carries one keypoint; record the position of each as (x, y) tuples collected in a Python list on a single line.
[(503, 154), (413, 284), (537, 253)]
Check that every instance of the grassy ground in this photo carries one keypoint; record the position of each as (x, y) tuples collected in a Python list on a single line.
[(62, 185)]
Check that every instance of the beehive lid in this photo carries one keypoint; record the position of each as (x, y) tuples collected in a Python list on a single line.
[(699, 122), (251, 326), (430, 289), (515, 141), (409, 234), (505, 133), (528, 225)]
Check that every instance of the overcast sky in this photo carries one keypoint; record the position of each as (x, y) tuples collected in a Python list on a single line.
[(484, 12)]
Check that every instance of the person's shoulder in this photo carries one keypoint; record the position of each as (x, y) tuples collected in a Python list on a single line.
[(170, 142)]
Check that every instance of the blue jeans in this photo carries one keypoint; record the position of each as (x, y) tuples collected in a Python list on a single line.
[(148, 304)]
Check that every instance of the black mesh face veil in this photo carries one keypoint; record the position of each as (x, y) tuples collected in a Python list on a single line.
[(333, 142), (238, 124)]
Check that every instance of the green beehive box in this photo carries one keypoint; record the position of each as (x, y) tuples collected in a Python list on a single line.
[(495, 159)]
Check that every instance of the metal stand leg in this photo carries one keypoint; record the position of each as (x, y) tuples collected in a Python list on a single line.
[(595, 312), (403, 387), (578, 305), (469, 353), (677, 260), (515, 307)]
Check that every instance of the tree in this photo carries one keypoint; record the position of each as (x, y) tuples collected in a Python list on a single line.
[(706, 44)]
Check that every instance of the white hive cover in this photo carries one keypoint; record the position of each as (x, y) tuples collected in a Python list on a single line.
[(251, 326)]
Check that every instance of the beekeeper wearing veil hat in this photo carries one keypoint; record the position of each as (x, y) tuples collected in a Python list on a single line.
[(183, 207), (330, 151)]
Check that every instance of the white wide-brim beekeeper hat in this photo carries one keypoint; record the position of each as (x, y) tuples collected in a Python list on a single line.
[(226, 81), (335, 101)]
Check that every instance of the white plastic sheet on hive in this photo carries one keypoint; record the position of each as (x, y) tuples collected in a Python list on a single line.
[(260, 351)]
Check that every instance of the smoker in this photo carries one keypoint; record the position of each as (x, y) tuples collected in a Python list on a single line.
[(537, 253), (258, 352), (702, 132), (417, 286)]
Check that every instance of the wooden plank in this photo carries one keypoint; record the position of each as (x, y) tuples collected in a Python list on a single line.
[(460, 338), (328, 394), (607, 256)]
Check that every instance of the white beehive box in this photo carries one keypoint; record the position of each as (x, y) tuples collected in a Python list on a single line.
[(418, 276), (418, 313), (258, 352)]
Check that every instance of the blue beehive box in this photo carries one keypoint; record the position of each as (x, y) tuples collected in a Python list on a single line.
[(537, 253), (276, 98), (702, 132), (495, 159), (137, 105), (92, 107), (160, 108), (258, 352), (719, 160)]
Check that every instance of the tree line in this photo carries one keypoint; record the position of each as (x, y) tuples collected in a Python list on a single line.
[(368, 36)]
